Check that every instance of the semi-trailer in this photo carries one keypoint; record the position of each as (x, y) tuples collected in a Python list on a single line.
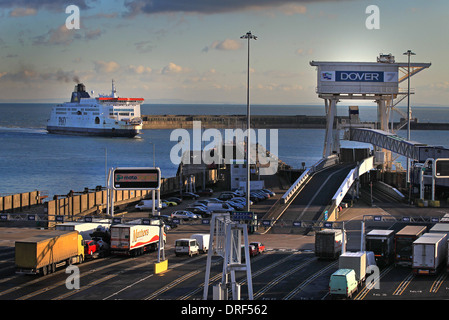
[(43, 253), (84, 228), (429, 253), (129, 239), (403, 243), (381, 242), (328, 243)]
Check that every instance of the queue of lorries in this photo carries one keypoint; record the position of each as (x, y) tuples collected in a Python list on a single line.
[(43, 253), (426, 252), (74, 242)]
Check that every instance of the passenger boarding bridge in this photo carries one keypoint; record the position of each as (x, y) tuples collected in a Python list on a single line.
[(316, 195)]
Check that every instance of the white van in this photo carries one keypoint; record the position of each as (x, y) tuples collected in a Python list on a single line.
[(148, 205), (220, 207), (186, 246), (202, 240)]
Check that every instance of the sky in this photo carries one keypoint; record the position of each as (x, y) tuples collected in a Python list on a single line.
[(178, 51)]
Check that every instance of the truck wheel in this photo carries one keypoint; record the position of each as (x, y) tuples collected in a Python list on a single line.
[(80, 259), (44, 271)]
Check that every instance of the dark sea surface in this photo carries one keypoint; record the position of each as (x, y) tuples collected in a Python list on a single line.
[(31, 159)]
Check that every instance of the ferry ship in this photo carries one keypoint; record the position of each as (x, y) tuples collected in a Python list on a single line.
[(106, 115)]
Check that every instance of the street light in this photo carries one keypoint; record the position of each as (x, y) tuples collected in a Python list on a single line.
[(408, 53), (248, 36)]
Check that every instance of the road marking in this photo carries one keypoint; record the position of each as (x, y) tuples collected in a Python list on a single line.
[(362, 294), (304, 284), (404, 284), (438, 282), (275, 281)]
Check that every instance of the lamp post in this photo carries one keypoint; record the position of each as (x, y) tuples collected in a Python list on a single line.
[(408, 53), (248, 36)]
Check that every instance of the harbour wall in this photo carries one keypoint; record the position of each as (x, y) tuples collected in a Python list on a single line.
[(260, 122), (93, 203)]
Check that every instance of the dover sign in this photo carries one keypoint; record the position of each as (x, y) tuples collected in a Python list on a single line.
[(359, 76)]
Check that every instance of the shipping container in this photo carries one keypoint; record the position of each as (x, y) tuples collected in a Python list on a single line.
[(403, 244), (42, 254), (429, 253), (381, 242), (328, 243)]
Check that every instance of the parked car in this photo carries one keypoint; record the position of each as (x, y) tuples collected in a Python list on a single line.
[(220, 207), (200, 211), (190, 195), (226, 196), (169, 224), (269, 191), (169, 203), (175, 199), (236, 205), (205, 192), (148, 205), (183, 214)]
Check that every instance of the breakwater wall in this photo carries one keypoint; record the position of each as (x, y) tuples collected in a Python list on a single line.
[(260, 122), (233, 121)]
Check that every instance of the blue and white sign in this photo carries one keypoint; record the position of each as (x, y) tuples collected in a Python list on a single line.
[(359, 76)]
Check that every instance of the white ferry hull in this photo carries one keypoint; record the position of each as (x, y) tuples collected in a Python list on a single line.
[(110, 132)]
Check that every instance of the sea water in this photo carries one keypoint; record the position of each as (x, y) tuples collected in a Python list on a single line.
[(31, 159)]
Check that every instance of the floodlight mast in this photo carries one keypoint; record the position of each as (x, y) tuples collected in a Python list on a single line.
[(248, 36)]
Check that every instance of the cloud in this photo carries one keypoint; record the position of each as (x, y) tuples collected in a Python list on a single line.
[(210, 7), (106, 66), (172, 68), (140, 69), (225, 45), (64, 36), (22, 12), (53, 5)]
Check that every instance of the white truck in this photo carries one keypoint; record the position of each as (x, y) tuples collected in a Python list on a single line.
[(128, 239), (429, 253), (84, 228), (148, 205), (355, 261), (202, 240)]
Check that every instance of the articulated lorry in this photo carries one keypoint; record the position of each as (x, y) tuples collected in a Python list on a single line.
[(403, 243), (43, 253), (429, 253), (134, 239)]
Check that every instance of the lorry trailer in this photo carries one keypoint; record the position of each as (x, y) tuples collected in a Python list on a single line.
[(381, 242), (128, 239), (84, 228), (43, 253), (429, 253), (403, 243), (328, 243)]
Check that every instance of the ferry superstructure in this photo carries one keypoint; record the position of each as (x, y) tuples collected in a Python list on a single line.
[(106, 115)]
